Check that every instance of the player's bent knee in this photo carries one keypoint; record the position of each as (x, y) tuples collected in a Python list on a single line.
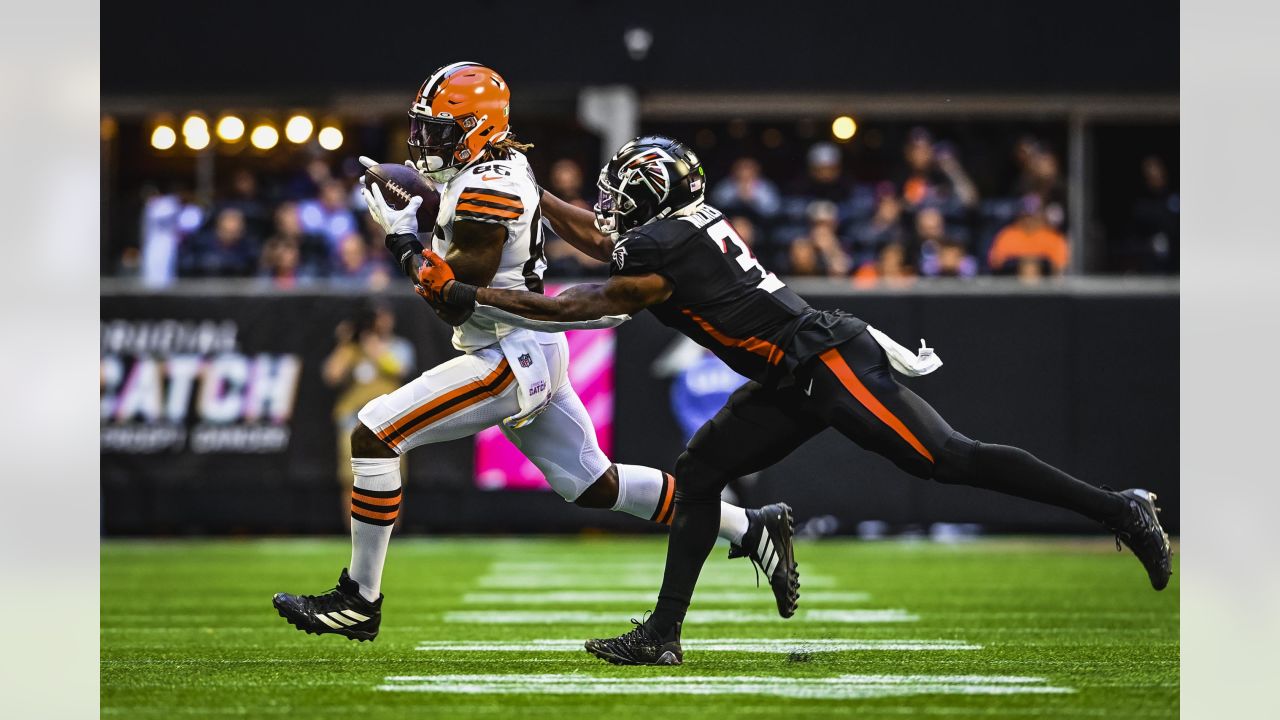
[(365, 444), (953, 463), (698, 479), (603, 493)]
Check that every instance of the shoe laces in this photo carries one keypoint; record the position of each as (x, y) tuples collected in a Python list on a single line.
[(639, 635), (332, 599)]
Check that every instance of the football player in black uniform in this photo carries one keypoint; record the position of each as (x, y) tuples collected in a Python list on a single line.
[(809, 370)]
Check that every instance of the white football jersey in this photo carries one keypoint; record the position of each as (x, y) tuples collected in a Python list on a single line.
[(505, 193)]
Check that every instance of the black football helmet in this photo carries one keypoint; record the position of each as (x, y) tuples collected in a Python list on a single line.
[(649, 178)]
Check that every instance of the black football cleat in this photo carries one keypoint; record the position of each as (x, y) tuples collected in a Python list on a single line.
[(342, 611), (768, 543), (640, 646), (1139, 529)]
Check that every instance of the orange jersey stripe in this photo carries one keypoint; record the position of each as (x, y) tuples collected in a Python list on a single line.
[(765, 349), (434, 403), (488, 197), (479, 210), (859, 391), (356, 495)]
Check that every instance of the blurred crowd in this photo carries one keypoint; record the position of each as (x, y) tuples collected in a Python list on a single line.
[(928, 219)]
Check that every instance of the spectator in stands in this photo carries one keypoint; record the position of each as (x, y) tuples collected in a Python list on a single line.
[(245, 197), (1029, 247), (746, 192), (330, 216), (161, 236), (825, 179), (891, 266), (566, 183), (746, 229), (937, 252), (356, 268), (932, 175), (1026, 148), (308, 182), (820, 252), (225, 250), (282, 263), (882, 228), (314, 256), (1043, 177), (1155, 220)]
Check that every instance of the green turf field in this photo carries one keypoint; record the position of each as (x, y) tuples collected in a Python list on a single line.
[(492, 628)]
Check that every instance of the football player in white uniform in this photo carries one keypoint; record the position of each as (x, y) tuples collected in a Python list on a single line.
[(489, 228)]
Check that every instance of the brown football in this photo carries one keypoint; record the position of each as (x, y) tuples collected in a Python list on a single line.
[(398, 183)]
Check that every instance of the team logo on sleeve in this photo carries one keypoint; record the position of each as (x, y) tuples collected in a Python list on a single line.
[(619, 253)]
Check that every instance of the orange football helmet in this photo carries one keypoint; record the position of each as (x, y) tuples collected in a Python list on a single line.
[(459, 110)]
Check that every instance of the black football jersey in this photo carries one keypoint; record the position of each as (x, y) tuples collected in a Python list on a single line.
[(725, 300)]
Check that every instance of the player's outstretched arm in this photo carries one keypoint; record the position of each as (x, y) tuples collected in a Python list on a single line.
[(620, 295), (577, 226)]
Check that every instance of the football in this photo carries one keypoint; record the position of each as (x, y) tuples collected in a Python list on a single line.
[(398, 183)]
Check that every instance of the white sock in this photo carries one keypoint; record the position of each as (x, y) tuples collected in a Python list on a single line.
[(375, 503), (649, 494), (733, 523)]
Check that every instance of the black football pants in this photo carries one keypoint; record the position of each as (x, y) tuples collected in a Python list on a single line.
[(851, 388)]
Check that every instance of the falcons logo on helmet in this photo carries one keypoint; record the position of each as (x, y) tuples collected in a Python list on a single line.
[(649, 168)]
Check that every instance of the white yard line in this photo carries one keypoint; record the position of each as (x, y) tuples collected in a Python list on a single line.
[(645, 597), (609, 580), (588, 617), (842, 687), (757, 645)]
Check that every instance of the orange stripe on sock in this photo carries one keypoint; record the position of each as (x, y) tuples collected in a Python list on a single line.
[(361, 512), (668, 508), (355, 495), (860, 392)]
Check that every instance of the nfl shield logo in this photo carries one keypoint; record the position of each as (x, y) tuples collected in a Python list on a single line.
[(525, 360)]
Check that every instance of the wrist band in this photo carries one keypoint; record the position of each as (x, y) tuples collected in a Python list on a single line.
[(404, 247), (461, 295)]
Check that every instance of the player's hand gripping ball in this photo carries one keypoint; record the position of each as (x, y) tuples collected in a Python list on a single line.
[(399, 199), (433, 276)]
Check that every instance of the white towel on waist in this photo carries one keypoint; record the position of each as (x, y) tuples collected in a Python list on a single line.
[(533, 376), (903, 360)]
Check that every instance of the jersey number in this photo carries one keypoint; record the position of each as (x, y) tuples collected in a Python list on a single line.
[(724, 234)]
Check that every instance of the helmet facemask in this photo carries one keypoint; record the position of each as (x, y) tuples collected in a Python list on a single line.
[(437, 145), (612, 207)]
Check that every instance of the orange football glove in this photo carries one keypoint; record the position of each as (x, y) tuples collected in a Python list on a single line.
[(433, 275)]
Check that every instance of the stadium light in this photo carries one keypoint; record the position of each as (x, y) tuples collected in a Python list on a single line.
[(298, 129), (264, 137), (163, 137), (843, 128), (330, 138), (230, 128), (195, 126), (197, 140)]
